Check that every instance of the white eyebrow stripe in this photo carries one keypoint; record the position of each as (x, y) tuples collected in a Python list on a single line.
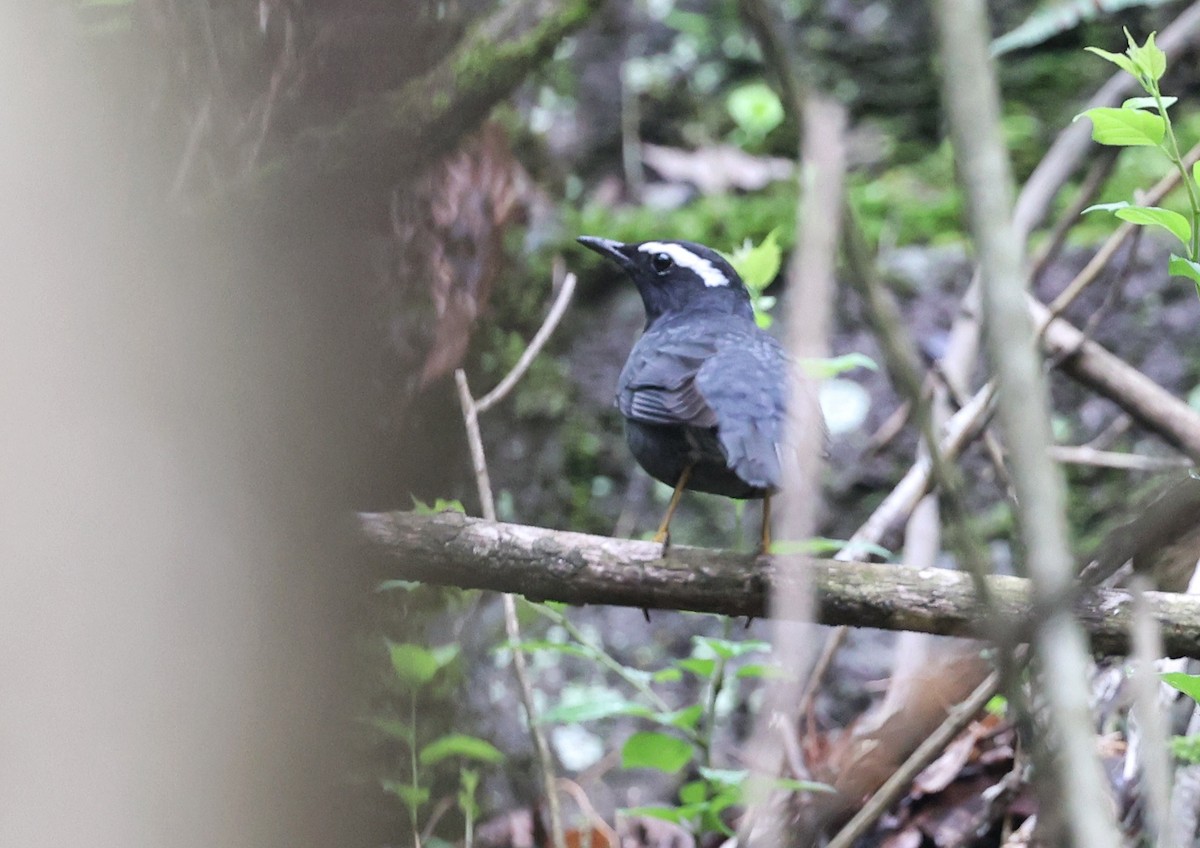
[(705, 270)]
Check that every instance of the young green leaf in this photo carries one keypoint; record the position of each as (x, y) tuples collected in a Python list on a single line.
[(1196, 171), (413, 796), (1153, 216), (758, 265), (1186, 748), (594, 710), (459, 745), (657, 751), (1125, 127), (698, 667), (1149, 59), (1148, 103), (1119, 59), (396, 729), (413, 663), (728, 648), (1188, 684), (759, 670), (685, 719), (1182, 267), (675, 815), (693, 792), (1106, 207)]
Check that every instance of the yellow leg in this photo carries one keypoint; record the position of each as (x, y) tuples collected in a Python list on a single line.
[(663, 536), (765, 540)]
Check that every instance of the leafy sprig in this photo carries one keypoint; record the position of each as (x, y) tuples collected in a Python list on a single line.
[(1145, 122)]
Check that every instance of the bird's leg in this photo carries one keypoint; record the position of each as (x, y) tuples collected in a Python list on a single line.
[(663, 536), (765, 539)]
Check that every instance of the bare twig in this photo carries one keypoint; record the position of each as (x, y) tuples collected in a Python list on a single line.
[(1083, 455), (470, 412), (511, 625), (557, 310), (1151, 748), (897, 784), (972, 102)]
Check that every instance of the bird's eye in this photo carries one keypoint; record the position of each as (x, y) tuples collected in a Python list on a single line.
[(662, 262)]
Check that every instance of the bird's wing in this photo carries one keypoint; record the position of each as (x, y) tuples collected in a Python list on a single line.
[(743, 385), (658, 383), (731, 381)]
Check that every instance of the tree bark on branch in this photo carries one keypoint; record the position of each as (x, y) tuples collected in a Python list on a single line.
[(453, 550), (390, 136)]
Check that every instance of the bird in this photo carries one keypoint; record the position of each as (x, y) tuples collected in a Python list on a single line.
[(703, 392)]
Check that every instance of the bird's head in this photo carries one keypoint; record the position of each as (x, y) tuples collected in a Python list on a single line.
[(677, 276)]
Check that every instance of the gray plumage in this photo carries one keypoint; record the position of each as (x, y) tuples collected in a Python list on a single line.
[(704, 385)]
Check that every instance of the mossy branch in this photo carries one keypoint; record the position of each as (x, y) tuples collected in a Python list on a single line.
[(451, 549), (391, 136)]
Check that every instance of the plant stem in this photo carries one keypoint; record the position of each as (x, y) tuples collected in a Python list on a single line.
[(1172, 151), (416, 784)]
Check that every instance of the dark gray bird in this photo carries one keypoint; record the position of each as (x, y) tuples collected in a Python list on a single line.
[(702, 392)]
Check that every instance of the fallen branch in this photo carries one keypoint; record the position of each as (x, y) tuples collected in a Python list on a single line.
[(453, 550)]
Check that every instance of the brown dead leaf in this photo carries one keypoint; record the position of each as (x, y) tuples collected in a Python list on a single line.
[(451, 238)]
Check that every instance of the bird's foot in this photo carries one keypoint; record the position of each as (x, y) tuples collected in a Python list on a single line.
[(663, 537)]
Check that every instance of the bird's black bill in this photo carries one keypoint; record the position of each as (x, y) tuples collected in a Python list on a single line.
[(607, 248)]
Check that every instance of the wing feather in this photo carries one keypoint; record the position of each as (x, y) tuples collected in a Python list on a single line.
[(732, 381)]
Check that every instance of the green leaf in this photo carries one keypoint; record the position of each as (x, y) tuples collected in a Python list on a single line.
[(698, 667), (570, 649), (1181, 267), (439, 505), (727, 648), (1148, 103), (396, 729), (1186, 748), (459, 745), (694, 792), (1148, 58), (755, 108), (1119, 59), (758, 265), (413, 796), (413, 663), (997, 705), (685, 719), (1153, 216), (1106, 207), (822, 369), (668, 675), (1196, 171), (648, 749), (760, 671), (1125, 127), (594, 710), (671, 814), (1188, 684)]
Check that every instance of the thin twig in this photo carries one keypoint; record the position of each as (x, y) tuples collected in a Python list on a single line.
[(557, 310), (1152, 749), (970, 94), (897, 784), (470, 412), (1083, 455)]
